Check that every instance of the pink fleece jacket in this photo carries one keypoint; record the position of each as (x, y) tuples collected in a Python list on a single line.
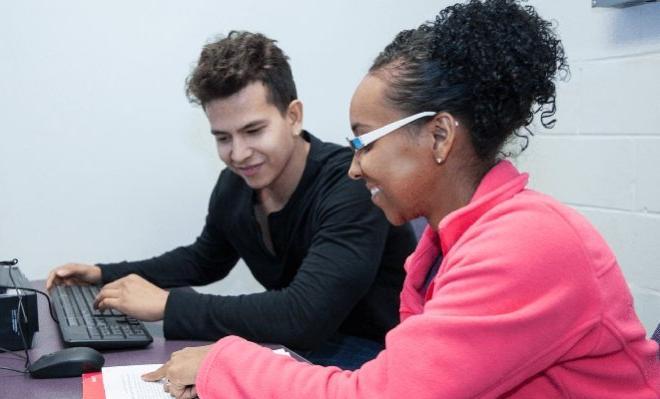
[(529, 302)]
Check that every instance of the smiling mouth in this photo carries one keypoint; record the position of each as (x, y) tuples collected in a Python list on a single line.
[(249, 170)]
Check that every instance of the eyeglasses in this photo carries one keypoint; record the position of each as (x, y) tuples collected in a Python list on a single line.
[(364, 140)]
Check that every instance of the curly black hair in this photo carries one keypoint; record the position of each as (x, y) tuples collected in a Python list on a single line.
[(229, 64), (491, 63)]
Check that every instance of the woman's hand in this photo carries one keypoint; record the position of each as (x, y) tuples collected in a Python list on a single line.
[(181, 391), (181, 370)]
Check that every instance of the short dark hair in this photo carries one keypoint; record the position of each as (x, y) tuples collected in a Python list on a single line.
[(229, 64), (491, 63)]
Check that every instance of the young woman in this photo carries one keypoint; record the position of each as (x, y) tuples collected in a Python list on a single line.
[(509, 293)]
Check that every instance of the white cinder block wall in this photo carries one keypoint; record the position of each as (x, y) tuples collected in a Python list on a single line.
[(102, 158), (602, 156)]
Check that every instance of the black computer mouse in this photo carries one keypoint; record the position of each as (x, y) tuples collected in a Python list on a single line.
[(70, 362)]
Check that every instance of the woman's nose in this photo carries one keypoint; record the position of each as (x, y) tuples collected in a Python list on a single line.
[(355, 171)]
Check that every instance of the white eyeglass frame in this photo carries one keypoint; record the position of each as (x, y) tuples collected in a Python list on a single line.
[(365, 139)]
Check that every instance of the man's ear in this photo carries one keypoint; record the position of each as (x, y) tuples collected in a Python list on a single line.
[(443, 128), (294, 115)]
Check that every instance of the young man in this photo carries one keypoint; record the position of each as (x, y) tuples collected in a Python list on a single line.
[(328, 258)]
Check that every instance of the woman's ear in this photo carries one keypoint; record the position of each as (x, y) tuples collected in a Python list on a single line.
[(294, 115), (444, 128)]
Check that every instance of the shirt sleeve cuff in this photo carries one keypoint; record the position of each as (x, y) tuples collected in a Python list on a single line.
[(112, 271), (211, 364), (177, 310)]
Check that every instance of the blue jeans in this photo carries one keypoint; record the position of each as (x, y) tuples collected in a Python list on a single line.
[(344, 351)]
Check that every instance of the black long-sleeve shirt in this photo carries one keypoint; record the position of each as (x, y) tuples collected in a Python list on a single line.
[(337, 266)]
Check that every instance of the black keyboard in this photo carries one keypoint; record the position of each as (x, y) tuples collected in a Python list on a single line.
[(82, 325)]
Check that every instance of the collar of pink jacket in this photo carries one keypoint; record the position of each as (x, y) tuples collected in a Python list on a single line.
[(502, 182)]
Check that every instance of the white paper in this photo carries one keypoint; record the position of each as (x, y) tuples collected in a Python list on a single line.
[(125, 382)]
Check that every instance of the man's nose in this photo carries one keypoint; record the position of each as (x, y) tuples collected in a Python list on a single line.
[(240, 150)]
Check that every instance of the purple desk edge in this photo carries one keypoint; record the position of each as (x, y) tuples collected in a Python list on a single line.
[(47, 340)]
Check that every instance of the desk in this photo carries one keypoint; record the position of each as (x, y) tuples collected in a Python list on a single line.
[(48, 339)]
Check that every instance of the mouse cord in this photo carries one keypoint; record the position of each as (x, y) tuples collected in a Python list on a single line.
[(16, 370), (10, 352)]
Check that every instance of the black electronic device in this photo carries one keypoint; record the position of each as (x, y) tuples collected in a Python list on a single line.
[(82, 325), (15, 319), (69, 362)]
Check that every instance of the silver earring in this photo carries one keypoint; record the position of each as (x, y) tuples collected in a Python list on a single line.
[(439, 160)]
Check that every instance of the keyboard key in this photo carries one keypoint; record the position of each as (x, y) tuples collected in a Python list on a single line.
[(93, 332)]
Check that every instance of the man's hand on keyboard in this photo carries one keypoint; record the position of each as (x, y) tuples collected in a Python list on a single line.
[(74, 274), (135, 297)]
